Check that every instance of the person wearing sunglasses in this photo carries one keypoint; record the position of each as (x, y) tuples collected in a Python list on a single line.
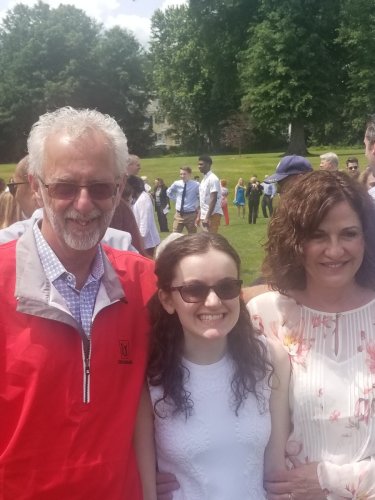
[(74, 329), (214, 393), (126, 237), (352, 167)]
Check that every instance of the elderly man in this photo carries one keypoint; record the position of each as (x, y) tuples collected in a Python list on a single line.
[(329, 161), (124, 238), (134, 165), (74, 328)]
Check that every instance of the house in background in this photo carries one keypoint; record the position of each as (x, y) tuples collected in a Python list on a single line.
[(165, 138)]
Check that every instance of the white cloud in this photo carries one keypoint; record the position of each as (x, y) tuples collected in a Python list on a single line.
[(99, 9), (138, 25), (107, 12)]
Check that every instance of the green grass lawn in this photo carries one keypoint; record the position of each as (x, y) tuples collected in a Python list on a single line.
[(246, 238)]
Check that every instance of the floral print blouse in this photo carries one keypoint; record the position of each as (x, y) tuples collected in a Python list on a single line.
[(332, 390)]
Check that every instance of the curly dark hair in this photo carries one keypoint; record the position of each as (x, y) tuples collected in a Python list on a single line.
[(165, 366), (302, 208)]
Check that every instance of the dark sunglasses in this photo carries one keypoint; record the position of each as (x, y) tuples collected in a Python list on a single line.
[(12, 186), (69, 190), (225, 289), (354, 167)]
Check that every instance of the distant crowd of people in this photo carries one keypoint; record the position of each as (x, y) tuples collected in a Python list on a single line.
[(198, 203)]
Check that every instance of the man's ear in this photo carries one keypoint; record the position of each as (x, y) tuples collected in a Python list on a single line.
[(166, 301), (35, 187)]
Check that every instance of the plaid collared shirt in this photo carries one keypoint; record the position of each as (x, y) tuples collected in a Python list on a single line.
[(79, 302)]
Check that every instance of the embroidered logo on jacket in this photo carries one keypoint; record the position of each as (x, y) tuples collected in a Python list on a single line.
[(125, 358)]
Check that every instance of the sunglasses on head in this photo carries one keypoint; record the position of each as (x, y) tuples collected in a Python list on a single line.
[(225, 289), (69, 190), (12, 186)]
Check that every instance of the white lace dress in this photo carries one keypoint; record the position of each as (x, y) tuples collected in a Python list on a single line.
[(214, 454), (332, 390)]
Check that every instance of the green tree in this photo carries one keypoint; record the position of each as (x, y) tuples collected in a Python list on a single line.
[(194, 57), (180, 80), (55, 57), (121, 87), (44, 55), (357, 40), (237, 132), (290, 71)]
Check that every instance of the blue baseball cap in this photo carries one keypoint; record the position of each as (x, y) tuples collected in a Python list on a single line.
[(290, 165)]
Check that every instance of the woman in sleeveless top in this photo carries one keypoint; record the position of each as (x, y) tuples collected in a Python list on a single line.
[(320, 257)]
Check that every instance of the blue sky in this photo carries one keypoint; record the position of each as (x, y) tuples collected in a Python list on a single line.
[(134, 15)]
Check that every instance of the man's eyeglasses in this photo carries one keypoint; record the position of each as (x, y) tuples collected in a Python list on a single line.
[(12, 186), (353, 167), (69, 191), (225, 289)]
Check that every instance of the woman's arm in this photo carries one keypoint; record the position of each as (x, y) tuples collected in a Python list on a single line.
[(144, 445), (274, 456)]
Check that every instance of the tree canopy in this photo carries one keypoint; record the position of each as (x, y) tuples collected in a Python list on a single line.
[(55, 57), (298, 71)]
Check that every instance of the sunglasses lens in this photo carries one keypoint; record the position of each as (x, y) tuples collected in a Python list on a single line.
[(194, 293), (102, 190), (67, 191), (63, 190), (228, 289)]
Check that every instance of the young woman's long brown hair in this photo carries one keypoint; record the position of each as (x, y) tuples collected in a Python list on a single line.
[(167, 338)]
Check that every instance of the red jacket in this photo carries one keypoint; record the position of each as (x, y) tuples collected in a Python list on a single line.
[(53, 445)]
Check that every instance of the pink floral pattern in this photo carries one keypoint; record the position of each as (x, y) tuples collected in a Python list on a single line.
[(340, 404), (371, 357)]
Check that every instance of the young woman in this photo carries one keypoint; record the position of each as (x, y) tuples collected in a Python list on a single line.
[(320, 257), (210, 378), (239, 197)]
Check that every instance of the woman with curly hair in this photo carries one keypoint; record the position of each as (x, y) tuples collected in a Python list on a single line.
[(320, 260), (210, 377)]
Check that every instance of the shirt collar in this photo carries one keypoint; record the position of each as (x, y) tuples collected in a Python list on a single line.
[(52, 265)]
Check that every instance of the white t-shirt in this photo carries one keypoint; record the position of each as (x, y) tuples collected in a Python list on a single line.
[(143, 210), (209, 184)]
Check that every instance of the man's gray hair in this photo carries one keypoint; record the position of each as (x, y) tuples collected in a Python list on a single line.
[(75, 123), (331, 157)]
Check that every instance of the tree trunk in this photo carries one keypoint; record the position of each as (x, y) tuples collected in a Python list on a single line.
[(297, 141)]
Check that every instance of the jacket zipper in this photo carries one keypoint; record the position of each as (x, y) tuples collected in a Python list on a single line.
[(86, 344)]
